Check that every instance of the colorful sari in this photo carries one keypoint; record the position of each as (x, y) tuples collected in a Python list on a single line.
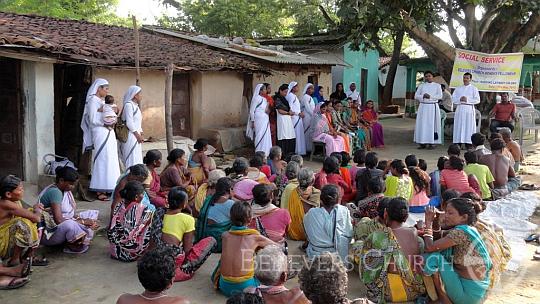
[(399, 187), (499, 250), (157, 197), (17, 232), (203, 229), (333, 126), (174, 176), (273, 118), (380, 248), (359, 135), (130, 231), (377, 137), (321, 130), (461, 290), (295, 230)]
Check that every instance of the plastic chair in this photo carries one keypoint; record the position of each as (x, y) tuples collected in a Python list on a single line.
[(527, 121)]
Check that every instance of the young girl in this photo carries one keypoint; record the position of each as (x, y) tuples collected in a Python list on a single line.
[(179, 232), (399, 184), (420, 197)]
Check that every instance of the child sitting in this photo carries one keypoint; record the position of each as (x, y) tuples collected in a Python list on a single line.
[(235, 271)]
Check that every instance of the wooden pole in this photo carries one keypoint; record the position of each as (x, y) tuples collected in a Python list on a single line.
[(168, 107), (136, 38)]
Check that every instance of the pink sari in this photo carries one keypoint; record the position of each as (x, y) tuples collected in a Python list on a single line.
[(321, 128), (377, 137), (157, 198)]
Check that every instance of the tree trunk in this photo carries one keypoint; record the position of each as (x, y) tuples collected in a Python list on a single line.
[(389, 85)]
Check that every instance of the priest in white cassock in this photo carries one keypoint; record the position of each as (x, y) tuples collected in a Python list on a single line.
[(307, 106), (105, 167), (297, 118), (353, 93), (131, 114), (465, 97), (427, 131), (258, 127)]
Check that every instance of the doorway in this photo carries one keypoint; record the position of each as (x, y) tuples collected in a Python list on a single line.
[(11, 123), (181, 106), (363, 84), (313, 79), (71, 82)]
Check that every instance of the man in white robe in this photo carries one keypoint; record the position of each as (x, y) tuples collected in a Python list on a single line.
[(465, 97), (307, 106), (427, 131), (353, 93), (298, 125), (259, 122), (131, 114)]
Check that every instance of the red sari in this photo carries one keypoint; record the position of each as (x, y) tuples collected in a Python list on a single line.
[(273, 118), (157, 198)]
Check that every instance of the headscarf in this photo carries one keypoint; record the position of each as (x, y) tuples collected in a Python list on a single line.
[(306, 87), (94, 87), (317, 95), (85, 123), (292, 84), (131, 92), (255, 99), (290, 98)]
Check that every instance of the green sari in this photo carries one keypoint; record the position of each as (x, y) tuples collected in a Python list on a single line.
[(203, 229), (379, 248)]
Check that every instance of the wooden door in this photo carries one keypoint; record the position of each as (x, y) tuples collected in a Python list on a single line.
[(181, 106), (363, 85), (11, 120)]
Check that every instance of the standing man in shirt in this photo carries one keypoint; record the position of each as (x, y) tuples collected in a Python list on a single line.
[(353, 93), (465, 97), (446, 102), (503, 114), (427, 131)]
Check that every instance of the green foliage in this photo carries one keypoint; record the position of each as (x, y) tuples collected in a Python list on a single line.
[(308, 17), (100, 11), (247, 18)]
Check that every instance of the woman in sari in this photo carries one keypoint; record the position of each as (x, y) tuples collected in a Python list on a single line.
[(303, 198), (323, 132), (131, 114), (339, 93), (129, 233), (200, 163), (307, 107), (330, 175), (137, 173), (359, 134), (243, 184), (105, 166), (268, 219), (399, 184), (388, 260), (337, 124), (62, 226), (372, 119), (318, 95), (271, 112), (258, 125), (152, 160), (176, 174), (459, 262), (206, 190), (214, 217)]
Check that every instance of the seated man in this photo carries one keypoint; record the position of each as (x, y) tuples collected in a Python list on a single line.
[(513, 147), (18, 229), (503, 114), (272, 271), (481, 172), (506, 180), (235, 270), (156, 273), (478, 140)]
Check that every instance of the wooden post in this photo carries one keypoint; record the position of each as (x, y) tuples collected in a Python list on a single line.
[(168, 106), (136, 38)]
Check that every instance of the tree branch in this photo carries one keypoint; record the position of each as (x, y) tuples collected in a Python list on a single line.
[(524, 34), (327, 17), (488, 17), (500, 31), (173, 3), (453, 34)]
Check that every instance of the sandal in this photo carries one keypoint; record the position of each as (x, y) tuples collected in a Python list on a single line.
[(40, 262), (533, 238), (13, 284)]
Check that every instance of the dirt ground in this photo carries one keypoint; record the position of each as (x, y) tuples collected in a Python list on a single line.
[(95, 278)]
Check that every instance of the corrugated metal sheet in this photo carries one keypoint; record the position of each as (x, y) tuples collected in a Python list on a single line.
[(266, 54)]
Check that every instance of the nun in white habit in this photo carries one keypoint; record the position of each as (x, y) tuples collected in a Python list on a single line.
[(465, 97), (298, 125), (131, 114), (308, 106), (105, 165), (258, 126)]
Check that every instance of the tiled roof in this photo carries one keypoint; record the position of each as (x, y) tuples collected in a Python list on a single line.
[(267, 54), (91, 43)]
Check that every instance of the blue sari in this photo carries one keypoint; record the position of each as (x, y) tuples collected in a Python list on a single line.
[(203, 229), (458, 289)]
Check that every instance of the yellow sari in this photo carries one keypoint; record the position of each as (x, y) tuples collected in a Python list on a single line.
[(296, 209), (17, 232)]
